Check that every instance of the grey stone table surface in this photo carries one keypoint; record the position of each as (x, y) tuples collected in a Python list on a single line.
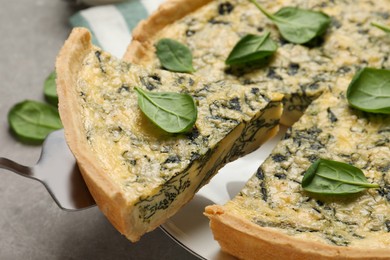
[(31, 224)]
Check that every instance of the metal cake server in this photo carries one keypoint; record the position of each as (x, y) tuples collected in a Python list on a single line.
[(57, 170)]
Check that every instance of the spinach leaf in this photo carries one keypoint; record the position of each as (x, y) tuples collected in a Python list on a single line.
[(32, 121), (381, 26), (174, 56), (332, 177), (172, 112), (298, 25), (50, 89), (251, 48), (369, 90)]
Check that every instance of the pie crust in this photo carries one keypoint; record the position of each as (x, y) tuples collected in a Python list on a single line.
[(141, 48), (246, 240), (69, 61)]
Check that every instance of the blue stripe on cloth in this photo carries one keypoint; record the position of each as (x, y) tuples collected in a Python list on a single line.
[(77, 20), (133, 12), (109, 27)]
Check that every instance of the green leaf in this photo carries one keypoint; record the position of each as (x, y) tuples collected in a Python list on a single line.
[(172, 112), (369, 90), (32, 121), (337, 178), (50, 89), (298, 25), (381, 26), (252, 48), (174, 56)]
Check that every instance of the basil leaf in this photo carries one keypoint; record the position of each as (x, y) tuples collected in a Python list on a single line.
[(50, 89), (298, 25), (251, 48), (369, 90), (32, 121), (382, 27), (172, 112), (332, 177), (174, 56)]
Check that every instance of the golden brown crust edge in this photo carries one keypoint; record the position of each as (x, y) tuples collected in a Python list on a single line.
[(246, 240), (107, 196), (141, 47)]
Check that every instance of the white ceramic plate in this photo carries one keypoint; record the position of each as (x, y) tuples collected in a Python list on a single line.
[(190, 228)]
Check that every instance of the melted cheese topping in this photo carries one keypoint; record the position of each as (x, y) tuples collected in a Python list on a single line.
[(300, 72), (136, 154)]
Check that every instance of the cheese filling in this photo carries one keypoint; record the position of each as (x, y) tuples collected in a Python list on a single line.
[(300, 72), (153, 168), (330, 129)]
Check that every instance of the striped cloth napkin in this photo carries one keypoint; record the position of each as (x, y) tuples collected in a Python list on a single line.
[(111, 25)]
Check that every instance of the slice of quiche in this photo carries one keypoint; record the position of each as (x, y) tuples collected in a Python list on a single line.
[(274, 218), (300, 72), (138, 174)]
